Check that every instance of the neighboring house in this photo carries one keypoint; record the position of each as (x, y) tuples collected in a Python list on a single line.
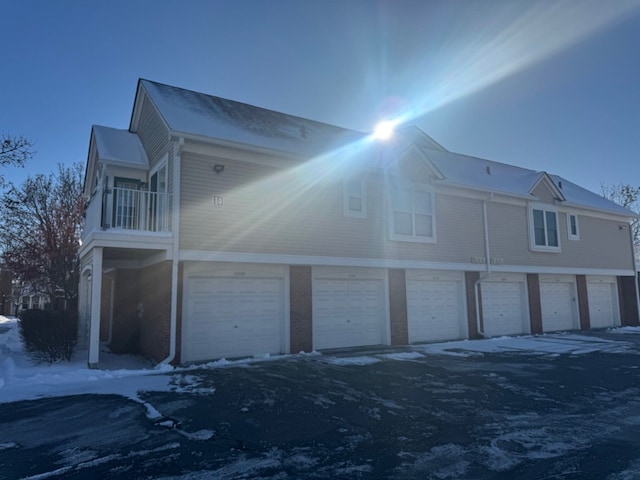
[(6, 290), (26, 296), (219, 229)]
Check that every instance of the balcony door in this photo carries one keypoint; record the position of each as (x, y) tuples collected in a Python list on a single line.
[(126, 199), (158, 200)]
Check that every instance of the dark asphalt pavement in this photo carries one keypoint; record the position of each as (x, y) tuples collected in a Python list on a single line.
[(380, 413)]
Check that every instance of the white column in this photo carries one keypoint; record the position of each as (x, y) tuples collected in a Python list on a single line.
[(94, 324)]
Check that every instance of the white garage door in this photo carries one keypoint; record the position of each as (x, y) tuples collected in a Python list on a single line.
[(347, 312), (603, 303), (232, 317), (558, 306), (503, 308), (434, 310)]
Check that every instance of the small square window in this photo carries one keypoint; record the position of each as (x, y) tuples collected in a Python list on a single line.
[(573, 232), (354, 198)]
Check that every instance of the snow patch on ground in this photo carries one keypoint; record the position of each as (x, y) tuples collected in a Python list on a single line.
[(351, 360), (635, 330), (547, 344), (403, 356)]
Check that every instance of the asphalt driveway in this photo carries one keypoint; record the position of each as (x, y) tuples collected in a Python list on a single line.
[(379, 413)]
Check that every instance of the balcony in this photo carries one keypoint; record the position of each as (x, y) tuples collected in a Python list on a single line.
[(140, 210), (123, 209)]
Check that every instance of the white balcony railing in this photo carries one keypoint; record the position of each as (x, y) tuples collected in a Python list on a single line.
[(136, 210)]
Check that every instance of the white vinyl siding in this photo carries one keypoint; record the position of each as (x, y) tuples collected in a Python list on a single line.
[(412, 216), (544, 228)]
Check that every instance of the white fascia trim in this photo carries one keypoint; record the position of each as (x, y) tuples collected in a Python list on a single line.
[(562, 270), (138, 109), (145, 242), (483, 190), (221, 142), (283, 259), (551, 186)]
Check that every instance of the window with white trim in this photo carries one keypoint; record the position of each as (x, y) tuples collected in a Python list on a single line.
[(573, 231), (543, 227), (354, 198), (412, 214)]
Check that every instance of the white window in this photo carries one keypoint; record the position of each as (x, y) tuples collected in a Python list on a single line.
[(355, 198), (573, 231), (543, 228), (412, 216)]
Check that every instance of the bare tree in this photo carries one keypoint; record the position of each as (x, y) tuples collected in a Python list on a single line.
[(629, 197), (40, 228), (14, 151)]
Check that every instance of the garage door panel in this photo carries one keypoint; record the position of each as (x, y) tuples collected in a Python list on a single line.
[(347, 313), (602, 304), (434, 310), (233, 317), (502, 308), (557, 304)]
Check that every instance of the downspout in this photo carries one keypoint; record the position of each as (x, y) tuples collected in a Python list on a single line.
[(175, 227), (487, 256)]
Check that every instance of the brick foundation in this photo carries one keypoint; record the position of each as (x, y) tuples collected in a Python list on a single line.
[(470, 279), (583, 302), (301, 330), (535, 307), (398, 307)]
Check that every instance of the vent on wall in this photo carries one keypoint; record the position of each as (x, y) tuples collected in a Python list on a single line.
[(488, 169)]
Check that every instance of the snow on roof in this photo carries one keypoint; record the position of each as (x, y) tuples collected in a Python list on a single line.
[(198, 114), (474, 172), (194, 113), (120, 146), (578, 196), (493, 176)]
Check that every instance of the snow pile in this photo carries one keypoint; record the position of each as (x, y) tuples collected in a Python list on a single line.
[(21, 379)]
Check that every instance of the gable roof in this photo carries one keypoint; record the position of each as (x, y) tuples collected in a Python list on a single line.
[(119, 146), (199, 115), (487, 175)]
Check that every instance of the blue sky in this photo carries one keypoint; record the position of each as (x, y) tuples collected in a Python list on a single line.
[(547, 85)]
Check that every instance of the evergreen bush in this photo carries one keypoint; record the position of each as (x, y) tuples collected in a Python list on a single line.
[(49, 335)]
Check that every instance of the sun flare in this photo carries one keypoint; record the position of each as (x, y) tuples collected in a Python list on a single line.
[(384, 130)]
